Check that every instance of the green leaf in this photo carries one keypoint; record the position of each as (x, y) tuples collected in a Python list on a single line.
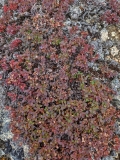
[(29, 31), (93, 82), (56, 42)]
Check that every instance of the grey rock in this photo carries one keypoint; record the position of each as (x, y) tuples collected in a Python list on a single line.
[(114, 154), (115, 84), (117, 127), (6, 127), (103, 2), (75, 12), (11, 88), (108, 158), (0, 12), (116, 103), (3, 2), (98, 48), (1, 152), (36, 8), (109, 43), (68, 22), (101, 54), (95, 44), (1, 88), (93, 65)]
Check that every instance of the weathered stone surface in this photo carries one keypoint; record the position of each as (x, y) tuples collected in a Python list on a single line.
[(3, 2)]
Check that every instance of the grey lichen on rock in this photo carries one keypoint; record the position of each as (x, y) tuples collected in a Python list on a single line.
[(75, 12), (3, 2), (117, 127)]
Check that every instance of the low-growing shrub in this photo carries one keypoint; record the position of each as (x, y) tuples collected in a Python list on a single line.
[(112, 15), (60, 108)]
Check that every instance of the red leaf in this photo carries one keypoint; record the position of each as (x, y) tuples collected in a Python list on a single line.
[(13, 96), (12, 29), (22, 86), (13, 6), (5, 8), (2, 28), (15, 43)]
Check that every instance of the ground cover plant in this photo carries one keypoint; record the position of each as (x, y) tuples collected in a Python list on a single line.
[(112, 15), (58, 105)]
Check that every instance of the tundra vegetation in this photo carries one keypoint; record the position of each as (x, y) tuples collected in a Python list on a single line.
[(59, 106)]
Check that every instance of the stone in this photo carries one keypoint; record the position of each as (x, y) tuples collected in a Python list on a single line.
[(104, 34), (114, 51), (2, 144), (115, 84), (108, 158), (114, 154), (1, 153), (3, 2), (117, 127), (75, 12)]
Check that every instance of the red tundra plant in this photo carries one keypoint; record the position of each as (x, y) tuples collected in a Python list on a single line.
[(12, 29), (62, 110), (21, 5), (15, 43), (5, 8), (13, 96), (110, 17), (113, 15), (11, 6), (2, 25), (115, 5), (2, 28), (79, 125)]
